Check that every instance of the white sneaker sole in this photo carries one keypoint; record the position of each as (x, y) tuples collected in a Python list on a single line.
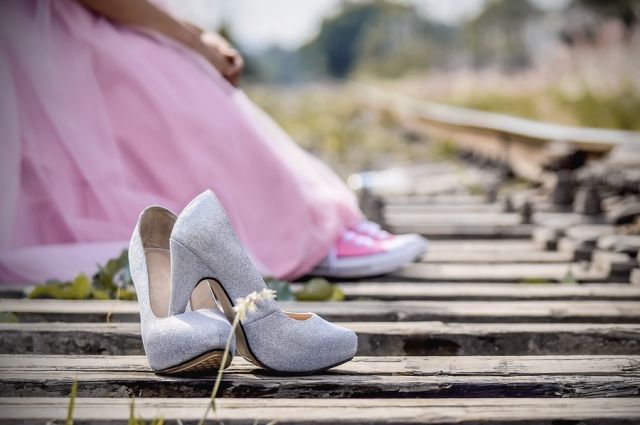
[(408, 248)]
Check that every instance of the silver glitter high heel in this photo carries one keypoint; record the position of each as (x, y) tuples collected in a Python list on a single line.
[(189, 342), (204, 247)]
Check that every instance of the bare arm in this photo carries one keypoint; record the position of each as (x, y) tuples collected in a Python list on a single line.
[(145, 14)]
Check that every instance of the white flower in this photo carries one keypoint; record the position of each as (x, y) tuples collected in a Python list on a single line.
[(247, 305)]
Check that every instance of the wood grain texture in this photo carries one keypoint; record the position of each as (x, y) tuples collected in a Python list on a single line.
[(365, 311), (395, 291), (112, 411), (379, 366), (374, 338), (496, 272), (364, 377), (489, 257), (469, 231)]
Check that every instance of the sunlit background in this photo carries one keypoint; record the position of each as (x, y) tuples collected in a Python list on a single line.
[(574, 62)]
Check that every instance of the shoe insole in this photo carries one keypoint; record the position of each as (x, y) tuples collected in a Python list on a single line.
[(159, 272), (159, 269)]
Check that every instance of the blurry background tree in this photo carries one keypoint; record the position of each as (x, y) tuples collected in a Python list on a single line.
[(574, 62), (497, 35)]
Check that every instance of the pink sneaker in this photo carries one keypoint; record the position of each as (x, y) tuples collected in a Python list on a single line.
[(357, 254), (373, 230)]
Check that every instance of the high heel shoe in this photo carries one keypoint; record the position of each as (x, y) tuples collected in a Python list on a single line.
[(193, 341), (205, 247)]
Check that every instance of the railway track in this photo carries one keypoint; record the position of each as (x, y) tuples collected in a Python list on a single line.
[(504, 320)]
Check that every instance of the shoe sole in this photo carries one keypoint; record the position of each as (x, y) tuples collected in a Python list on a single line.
[(374, 265), (207, 362)]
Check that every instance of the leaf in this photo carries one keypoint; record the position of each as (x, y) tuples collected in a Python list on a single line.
[(8, 317), (282, 288), (127, 295), (114, 274), (338, 294), (78, 289), (317, 289), (97, 294)]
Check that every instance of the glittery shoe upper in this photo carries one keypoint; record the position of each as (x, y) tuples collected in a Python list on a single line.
[(204, 246), (169, 340)]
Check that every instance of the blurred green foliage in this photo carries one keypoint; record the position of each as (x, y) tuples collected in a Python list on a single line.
[(495, 35), (282, 288), (443, 150), (328, 121), (627, 11), (8, 317), (316, 289), (377, 37), (111, 281), (618, 109), (392, 39)]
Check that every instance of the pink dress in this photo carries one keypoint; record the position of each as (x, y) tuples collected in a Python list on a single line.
[(98, 121)]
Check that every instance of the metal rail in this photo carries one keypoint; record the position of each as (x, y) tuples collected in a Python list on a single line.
[(527, 146)]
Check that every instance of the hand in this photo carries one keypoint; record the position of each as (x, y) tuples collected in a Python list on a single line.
[(221, 55)]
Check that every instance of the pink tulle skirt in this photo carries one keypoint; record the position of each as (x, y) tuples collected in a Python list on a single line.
[(98, 121)]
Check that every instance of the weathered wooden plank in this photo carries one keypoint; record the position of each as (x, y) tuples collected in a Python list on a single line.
[(499, 272), (391, 291), (491, 251), (485, 411), (483, 245), (377, 339), (451, 218), (437, 199), (465, 231), (368, 311), (421, 216), (430, 181), (12, 291), (399, 209), (105, 376), (487, 257), (623, 365), (436, 338)]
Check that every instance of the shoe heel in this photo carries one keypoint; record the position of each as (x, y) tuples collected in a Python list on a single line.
[(191, 270), (187, 343), (187, 269)]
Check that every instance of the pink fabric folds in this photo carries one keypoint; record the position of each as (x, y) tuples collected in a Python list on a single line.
[(98, 121)]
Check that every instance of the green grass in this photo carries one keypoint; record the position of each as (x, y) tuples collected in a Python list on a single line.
[(110, 281), (329, 122), (619, 109)]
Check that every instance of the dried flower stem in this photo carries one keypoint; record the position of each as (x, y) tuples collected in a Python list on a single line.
[(243, 307)]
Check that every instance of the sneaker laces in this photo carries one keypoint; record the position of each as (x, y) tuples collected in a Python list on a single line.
[(357, 239), (372, 229), (348, 236)]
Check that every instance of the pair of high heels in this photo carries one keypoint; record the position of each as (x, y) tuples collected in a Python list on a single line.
[(170, 256)]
